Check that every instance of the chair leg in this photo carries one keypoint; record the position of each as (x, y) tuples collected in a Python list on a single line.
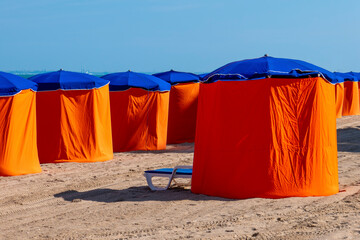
[(151, 185)]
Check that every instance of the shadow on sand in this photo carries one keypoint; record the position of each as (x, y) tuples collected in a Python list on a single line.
[(348, 139), (171, 148), (135, 194)]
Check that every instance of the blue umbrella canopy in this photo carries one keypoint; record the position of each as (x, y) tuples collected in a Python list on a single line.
[(122, 81), (356, 76), (202, 75), (342, 77), (175, 77), (66, 80), (266, 66), (11, 84)]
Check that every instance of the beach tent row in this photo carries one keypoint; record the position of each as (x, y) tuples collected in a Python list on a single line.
[(70, 118), (347, 94), (53, 117), (266, 127)]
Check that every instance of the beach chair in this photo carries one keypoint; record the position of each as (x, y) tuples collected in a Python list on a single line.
[(171, 173)]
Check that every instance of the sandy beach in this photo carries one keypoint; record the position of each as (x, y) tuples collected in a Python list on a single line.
[(111, 200)]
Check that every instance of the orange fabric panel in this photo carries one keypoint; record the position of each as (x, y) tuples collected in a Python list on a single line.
[(182, 112), (267, 138), (351, 99), (339, 99), (18, 149), (74, 126), (139, 119)]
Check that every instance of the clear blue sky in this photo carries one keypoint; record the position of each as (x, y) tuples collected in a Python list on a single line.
[(185, 35)]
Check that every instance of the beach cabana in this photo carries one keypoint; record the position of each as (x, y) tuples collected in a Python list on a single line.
[(351, 94), (73, 117), (18, 148), (356, 77), (183, 105), (139, 111), (339, 94), (266, 127)]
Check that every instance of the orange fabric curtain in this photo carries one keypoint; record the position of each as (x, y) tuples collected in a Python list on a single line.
[(267, 138), (18, 149), (74, 125), (139, 119), (339, 99), (182, 112), (351, 99)]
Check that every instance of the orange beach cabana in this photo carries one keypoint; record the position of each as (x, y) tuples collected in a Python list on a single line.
[(357, 75), (73, 117), (351, 94), (339, 97), (18, 148), (139, 111), (183, 105), (266, 127)]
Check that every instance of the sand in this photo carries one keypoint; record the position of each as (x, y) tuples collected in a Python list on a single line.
[(111, 200)]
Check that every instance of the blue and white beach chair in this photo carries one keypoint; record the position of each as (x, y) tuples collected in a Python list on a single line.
[(171, 173)]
